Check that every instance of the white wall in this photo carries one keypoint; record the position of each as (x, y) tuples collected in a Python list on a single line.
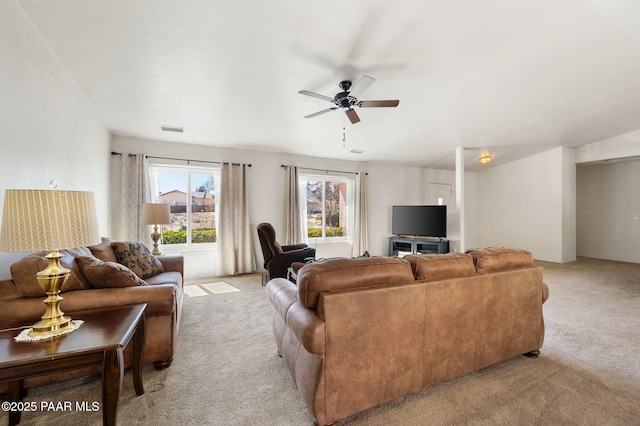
[(608, 211), (523, 204), (568, 182), (453, 215), (388, 184), (607, 199), (49, 129), (626, 145)]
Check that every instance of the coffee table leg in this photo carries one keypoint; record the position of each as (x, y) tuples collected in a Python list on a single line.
[(112, 374), (138, 350), (16, 393)]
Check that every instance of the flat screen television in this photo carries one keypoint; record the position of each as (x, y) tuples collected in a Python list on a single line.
[(419, 221)]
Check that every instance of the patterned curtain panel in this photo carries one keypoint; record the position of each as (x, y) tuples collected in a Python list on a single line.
[(361, 237), (291, 233), (235, 239), (134, 190)]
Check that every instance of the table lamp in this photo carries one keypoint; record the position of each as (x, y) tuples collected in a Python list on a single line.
[(49, 220), (156, 214)]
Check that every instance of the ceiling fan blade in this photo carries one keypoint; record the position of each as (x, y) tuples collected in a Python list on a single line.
[(320, 112), (361, 86), (316, 95), (353, 116), (373, 104)]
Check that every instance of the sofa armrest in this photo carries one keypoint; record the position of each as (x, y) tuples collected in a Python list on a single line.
[(294, 247), (282, 294), (545, 292), (308, 328), (304, 323), (172, 263)]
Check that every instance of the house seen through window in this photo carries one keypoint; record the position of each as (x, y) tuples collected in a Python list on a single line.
[(191, 193)]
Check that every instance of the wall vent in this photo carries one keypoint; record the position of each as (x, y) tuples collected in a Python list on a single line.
[(172, 129)]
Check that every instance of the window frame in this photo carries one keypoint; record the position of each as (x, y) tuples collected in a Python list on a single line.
[(155, 169), (350, 204)]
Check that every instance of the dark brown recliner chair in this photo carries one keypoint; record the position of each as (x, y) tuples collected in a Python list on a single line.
[(278, 258)]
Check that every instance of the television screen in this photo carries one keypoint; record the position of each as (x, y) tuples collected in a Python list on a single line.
[(423, 221)]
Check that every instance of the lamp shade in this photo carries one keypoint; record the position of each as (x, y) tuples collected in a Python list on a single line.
[(156, 214), (38, 220)]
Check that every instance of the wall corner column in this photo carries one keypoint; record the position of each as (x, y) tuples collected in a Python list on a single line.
[(460, 196)]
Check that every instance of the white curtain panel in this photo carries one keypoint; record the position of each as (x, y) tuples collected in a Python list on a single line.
[(235, 241), (291, 233), (361, 237), (134, 191), (302, 212)]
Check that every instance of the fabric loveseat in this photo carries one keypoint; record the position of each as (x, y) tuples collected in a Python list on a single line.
[(355, 333), (99, 280)]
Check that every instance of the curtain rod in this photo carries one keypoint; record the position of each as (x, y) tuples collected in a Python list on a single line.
[(178, 159), (323, 170), (119, 153), (198, 161)]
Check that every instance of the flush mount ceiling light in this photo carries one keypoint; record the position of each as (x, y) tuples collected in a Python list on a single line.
[(485, 158)]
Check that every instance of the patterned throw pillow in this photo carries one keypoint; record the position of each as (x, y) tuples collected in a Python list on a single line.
[(107, 274), (137, 257)]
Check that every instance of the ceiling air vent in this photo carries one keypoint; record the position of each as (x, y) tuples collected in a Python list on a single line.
[(172, 129)]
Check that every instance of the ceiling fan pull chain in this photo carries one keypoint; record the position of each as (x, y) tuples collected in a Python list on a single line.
[(344, 132)]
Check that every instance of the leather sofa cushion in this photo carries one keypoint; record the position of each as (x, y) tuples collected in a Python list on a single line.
[(137, 257), (23, 272), (167, 277), (499, 258), (107, 274), (104, 251), (441, 266), (342, 274)]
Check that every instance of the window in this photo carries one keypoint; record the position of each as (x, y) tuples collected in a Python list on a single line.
[(329, 205), (191, 193)]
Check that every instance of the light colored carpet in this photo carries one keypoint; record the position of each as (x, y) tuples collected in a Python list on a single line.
[(226, 371)]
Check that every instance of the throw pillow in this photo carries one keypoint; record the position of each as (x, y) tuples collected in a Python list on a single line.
[(104, 251), (23, 273), (137, 257), (107, 274)]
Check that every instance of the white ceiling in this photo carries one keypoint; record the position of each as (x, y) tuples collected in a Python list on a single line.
[(508, 77)]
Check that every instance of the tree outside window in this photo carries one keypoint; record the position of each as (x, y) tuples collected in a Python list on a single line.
[(328, 205)]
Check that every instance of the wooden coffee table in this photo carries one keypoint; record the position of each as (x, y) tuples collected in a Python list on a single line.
[(100, 340)]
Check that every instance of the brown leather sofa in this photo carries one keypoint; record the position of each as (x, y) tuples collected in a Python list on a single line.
[(355, 333), (21, 301)]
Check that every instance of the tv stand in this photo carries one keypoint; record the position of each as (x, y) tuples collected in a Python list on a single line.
[(402, 245)]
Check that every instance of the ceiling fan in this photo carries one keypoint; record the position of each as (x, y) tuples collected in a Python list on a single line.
[(348, 98)]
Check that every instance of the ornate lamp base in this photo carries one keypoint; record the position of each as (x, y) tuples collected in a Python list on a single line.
[(155, 236), (51, 327), (51, 279)]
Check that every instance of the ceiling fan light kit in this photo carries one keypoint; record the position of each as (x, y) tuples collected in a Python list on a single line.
[(348, 99)]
